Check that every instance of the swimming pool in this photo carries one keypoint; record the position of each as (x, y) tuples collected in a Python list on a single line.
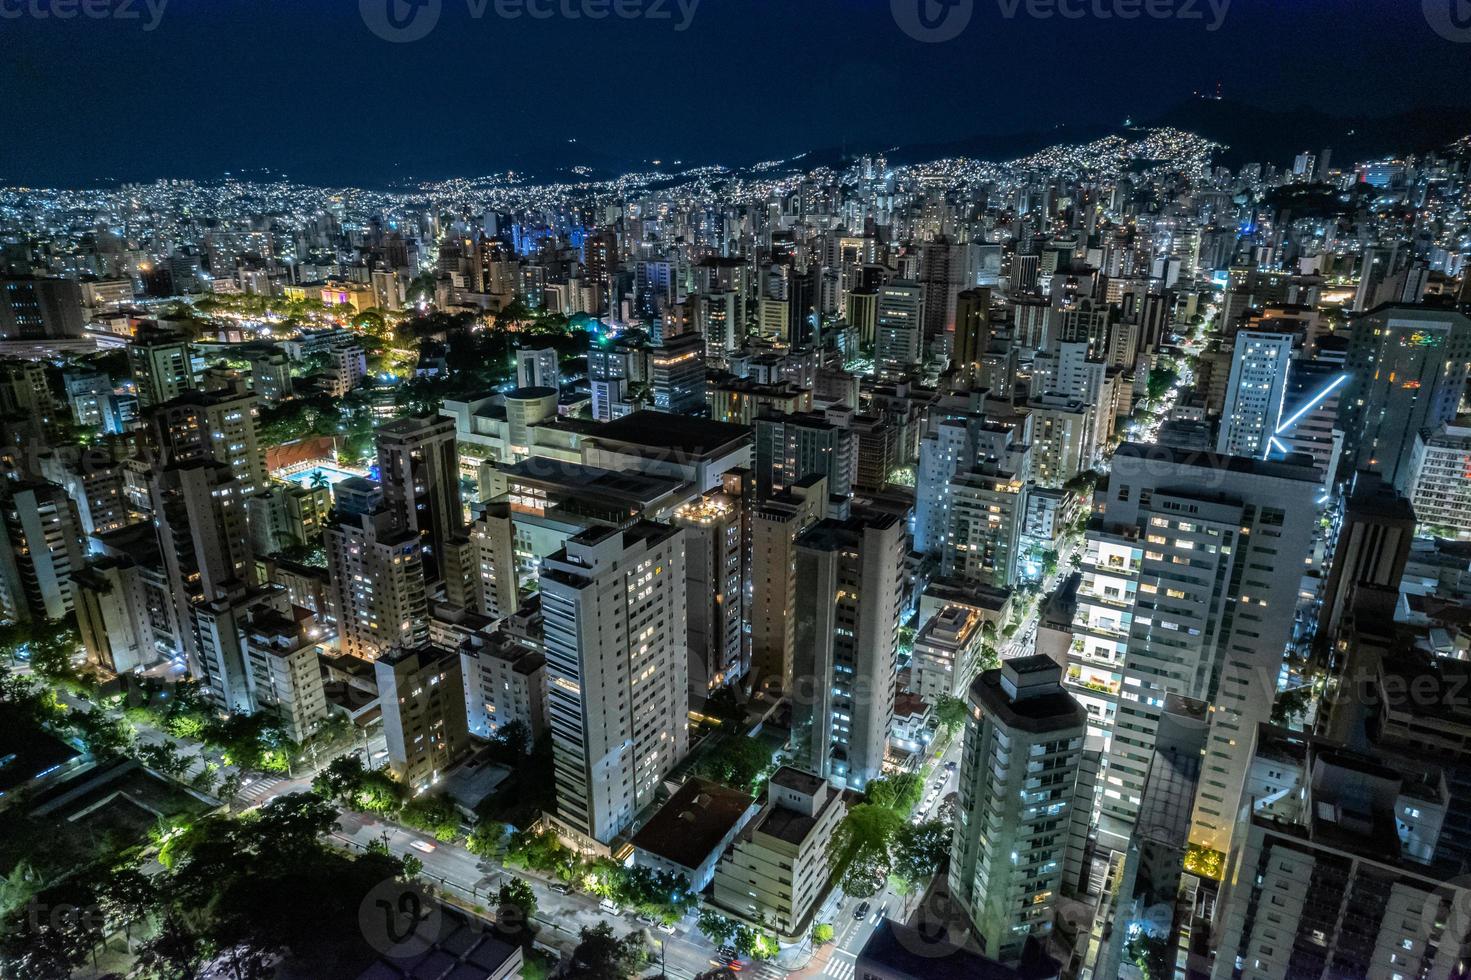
[(332, 473)]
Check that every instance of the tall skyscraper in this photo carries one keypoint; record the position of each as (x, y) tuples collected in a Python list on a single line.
[(217, 425), (614, 605), (40, 549), (1191, 586), (161, 366), (199, 509), (982, 539), (376, 584), (972, 331), (862, 314), (1373, 547), (419, 469), (495, 585), (775, 526), (715, 562), (677, 374), (1255, 392), (945, 269), (790, 447), (1025, 798), (899, 342), (847, 610), (1408, 367)]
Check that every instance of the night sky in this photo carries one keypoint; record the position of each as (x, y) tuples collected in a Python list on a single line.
[(304, 87)]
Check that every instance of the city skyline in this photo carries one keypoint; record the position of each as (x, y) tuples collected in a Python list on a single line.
[(778, 86), (823, 491)]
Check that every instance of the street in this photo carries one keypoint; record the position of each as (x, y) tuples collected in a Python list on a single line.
[(686, 953)]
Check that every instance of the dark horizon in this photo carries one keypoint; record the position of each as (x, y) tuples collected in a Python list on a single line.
[(310, 92)]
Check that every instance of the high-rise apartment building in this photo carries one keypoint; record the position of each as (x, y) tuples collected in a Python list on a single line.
[(1441, 488), (419, 470), (715, 564), (494, 579), (199, 510), (1408, 367), (614, 608), (161, 366), (40, 549), (1255, 392), (677, 374), (972, 331), (377, 588), (1025, 795), (422, 693), (1192, 579), (983, 533), (849, 580), (217, 425), (899, 328), (793, 446), (775, 526)]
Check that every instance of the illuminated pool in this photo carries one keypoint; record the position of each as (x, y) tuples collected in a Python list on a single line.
[(320, 474)]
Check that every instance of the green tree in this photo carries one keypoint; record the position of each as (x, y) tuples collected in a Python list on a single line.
[(433, 815), (599, 955), (920, 851), (900, 792), (513, 740), (342, 778), (822, 933), (175, 952), (517, 903), (128, 897), (858, 853), (105, 737), (487, 839), (738, 761), (950, 714), (715, 927)]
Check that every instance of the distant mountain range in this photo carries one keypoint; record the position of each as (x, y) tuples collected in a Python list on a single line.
[(1250, 133)]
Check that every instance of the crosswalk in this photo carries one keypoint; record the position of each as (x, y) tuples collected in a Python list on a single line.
[(260, 789), (839, 966), (770, 971)]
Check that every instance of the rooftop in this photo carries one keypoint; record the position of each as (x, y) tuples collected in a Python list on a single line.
[(904, 952), (665, 431), (693, 824), (1039, 712)]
